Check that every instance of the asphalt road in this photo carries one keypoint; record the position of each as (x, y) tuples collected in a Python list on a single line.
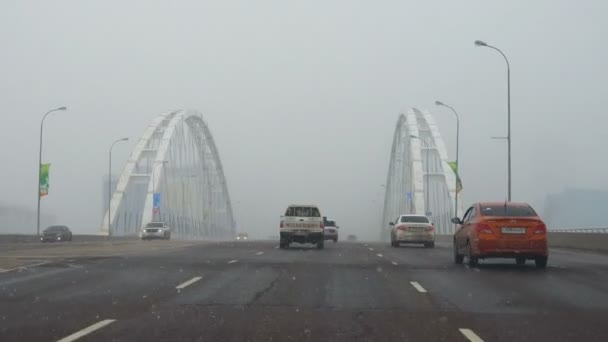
[(252, 291)]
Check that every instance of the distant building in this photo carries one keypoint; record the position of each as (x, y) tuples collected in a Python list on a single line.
[(576, 208), (22, 220)]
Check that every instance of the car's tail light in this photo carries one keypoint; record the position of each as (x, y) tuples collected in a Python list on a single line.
[(321, 225), (540, 229), (281, 225), (403, 228), (483, 228), (430, 229)]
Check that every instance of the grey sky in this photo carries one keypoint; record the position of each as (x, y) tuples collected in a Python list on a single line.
[(270, 76)]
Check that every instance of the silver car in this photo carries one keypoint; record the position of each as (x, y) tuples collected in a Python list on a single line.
[(156, 230)]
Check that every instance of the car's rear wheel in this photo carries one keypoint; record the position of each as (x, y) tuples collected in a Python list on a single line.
[(283, 245), (520, 261), (541, 262), (473, 260), (458, 258), (429, 245), (335, 240)]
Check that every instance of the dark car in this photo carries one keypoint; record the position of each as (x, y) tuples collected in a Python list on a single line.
[(352, 237), (56, 233)]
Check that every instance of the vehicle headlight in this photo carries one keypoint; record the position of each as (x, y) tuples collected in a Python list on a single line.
[(238, 237), (245, 238)]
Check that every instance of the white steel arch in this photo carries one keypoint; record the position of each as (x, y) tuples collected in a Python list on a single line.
[(419, 180), (177, 159)]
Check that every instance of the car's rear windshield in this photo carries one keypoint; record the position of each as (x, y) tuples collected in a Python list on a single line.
[(414, 219), (155, 225), (303, 212), (508, 210), (55, 228), (330, 223)]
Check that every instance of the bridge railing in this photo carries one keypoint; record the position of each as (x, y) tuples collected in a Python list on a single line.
[(581, 230)]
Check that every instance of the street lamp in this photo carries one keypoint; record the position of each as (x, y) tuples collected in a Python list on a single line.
[(439, 103), (110, 186), (164, 162), (40, 166), (426, 187), (483, 44)]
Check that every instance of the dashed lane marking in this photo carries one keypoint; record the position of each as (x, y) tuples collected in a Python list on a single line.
[(470, 335), (379, 255), (394, 263), (188, 283), (371, 249), (418, 287), (87, 330), (232, 261), (259, 253)]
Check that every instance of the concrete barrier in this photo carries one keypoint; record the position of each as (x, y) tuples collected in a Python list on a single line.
[(584, 241)]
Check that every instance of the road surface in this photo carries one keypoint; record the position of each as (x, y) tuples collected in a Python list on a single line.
[(252, 291)]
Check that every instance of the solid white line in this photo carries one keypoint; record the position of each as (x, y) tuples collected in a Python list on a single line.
[(259, 253), (188, 283), (3, 270), (468, 333), (87, 330), (418, 287), (394, 263), (379, 255), (232, 261)]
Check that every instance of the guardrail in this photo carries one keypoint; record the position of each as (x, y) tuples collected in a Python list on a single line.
[(27, 238), (581, 230)]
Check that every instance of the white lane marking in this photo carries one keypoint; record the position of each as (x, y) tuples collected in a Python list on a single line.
[(418, 287), (232, 261), (259, 253), (371, 249), (379, 255), (188, 283), (469, 334), (87, 330), (394, 263), (4, 270)]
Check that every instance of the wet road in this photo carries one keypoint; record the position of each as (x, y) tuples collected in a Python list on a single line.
[(252, 291)]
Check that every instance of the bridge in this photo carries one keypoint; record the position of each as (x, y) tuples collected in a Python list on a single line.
[(175, 175), (420, 180)]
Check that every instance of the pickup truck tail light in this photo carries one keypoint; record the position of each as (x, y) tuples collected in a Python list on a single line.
[(281, 225), (321, 225)]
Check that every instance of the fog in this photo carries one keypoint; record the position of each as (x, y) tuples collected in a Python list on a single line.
[(317, 83)]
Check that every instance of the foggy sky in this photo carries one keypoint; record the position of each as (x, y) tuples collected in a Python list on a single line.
[(319, 82)]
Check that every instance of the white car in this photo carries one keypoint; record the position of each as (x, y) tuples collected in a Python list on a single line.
[(412, 229), (156, 230), (301, 224)]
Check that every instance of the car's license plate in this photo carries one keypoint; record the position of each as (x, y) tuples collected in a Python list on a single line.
[(513, 230), (300, 232)]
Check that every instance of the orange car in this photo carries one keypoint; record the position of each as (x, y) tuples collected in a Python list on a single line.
[(501, 230)]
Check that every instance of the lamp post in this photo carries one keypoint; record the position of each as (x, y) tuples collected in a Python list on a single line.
[(483, 44), (164, 162), (40, 166), (110, 186), (439, 103)]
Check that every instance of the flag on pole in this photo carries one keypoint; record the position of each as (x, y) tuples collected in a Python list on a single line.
[(454, 167), (44, 179)]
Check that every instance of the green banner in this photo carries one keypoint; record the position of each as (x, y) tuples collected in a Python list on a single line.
[(44, 179), (454, 167)]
